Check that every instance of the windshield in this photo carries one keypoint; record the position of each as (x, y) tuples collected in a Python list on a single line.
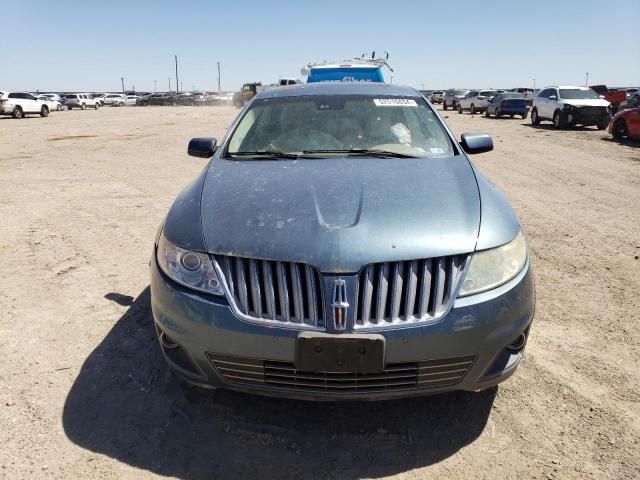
[(578, 94), (340, 125), (460, 92)]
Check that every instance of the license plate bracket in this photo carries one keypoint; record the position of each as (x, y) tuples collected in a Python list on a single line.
[(345, 353)]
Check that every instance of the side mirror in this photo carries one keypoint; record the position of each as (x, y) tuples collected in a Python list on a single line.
[(476, 142), (553, 97), (203, 147)]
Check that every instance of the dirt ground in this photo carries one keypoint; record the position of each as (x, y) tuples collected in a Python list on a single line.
[(84, 392)]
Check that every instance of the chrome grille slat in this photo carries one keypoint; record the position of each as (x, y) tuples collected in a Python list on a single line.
[(269, 292), (311, 294), (425, 290), (412, 282), (383, 285), (242, 296), (397, 293), (296, 285), (256, 295), (396, 376), (283, 293), (283, 290)]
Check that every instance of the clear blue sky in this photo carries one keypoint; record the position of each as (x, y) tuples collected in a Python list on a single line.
[(89, 45)]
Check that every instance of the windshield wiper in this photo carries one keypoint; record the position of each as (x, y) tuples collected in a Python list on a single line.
[(267, 154), (365, 152)]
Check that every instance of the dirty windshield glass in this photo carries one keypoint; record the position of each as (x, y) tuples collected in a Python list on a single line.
[(340, 125), (578, 94)]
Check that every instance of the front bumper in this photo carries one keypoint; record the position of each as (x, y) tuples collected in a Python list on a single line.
[(194, 328), (582, 116)]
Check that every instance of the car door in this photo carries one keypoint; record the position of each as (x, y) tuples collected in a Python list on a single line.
[(491, 106), (30, 104), (541, 103)]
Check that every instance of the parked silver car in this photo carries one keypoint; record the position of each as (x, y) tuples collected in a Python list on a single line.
[(452, 97), (299, 264), (476, 101)]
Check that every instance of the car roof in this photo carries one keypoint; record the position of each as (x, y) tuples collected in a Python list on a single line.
[(569, 86), (340, 88)]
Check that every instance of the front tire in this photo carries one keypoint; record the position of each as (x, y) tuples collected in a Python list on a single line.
[(486, 113), (444, 105), (498, 114), (524, 116), (472, 110), (602, 124), (58, 108), (44, 111), (97, 106), (535, 119), (17, 113), (83, 107), (460, 109), (558, 121), (620, 131)]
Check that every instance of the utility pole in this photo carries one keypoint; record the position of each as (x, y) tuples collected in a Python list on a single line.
[(155, 86), (391, 79), (169, 83), (181, 87), (586, 81), (218, 77), (122, 81), (177, 84), (534, 83)]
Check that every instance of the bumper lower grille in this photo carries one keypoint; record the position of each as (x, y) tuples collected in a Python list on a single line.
[(396, 376), (404, 292), (281, 292)]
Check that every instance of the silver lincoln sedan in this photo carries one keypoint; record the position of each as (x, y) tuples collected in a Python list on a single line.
[(339, 244)]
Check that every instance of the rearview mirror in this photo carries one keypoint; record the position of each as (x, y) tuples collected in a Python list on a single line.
[(203, 147), (553, 97), (476, 142)]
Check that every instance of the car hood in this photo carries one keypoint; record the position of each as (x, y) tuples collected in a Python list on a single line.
[(340, 214), (587, 103)]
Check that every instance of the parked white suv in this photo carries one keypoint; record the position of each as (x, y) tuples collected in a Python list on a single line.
[(476, 100), (80, 100), (19, 104), (570, 106)]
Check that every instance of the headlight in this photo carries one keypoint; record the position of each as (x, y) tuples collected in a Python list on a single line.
[(191, 269), (491, 268)]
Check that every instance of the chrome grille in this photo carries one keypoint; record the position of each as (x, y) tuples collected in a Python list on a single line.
[(280, 292), (396, 376), (397, 293)]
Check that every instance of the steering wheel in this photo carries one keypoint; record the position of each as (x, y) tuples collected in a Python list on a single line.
[(303, 139)]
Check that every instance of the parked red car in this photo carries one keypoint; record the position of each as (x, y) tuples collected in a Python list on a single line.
[(626, 124)]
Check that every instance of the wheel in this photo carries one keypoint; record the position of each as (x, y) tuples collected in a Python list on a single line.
[(523, 115), (44, 111), (454, 105), (69, 108), (17, 112), (83, 107), (602, 124), (620, 130), (511, 115), (535, 120), (472, 110), (97, 105), (121, 104), (498, 114), (459, 108), (486, 113), (444, 105), (58, 108), (558, 122)]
